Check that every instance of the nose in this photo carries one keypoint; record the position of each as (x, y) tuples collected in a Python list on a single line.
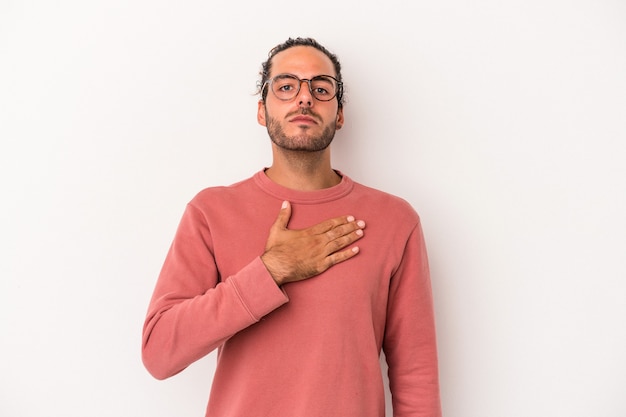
[(305, 98)]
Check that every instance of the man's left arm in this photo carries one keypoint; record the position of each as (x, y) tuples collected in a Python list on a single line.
[(410, 342)]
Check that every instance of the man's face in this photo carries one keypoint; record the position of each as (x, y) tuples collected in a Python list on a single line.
[(303, 123)]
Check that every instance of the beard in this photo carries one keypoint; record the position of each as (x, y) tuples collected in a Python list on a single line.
[(302, 142)]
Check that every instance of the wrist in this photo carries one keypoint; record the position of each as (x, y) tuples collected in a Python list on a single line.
[(278, 279)]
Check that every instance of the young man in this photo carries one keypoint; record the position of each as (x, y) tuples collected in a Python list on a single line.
[(280, 273)]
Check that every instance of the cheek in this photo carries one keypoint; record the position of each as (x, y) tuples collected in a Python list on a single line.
[(271, 110)]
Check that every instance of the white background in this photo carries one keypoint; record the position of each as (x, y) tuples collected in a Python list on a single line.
[(503, 123)]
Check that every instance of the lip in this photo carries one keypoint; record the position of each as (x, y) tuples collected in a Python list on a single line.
[(303, 119)]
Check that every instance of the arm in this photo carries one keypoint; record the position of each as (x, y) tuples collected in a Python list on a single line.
[(410, 343), (192, 310)]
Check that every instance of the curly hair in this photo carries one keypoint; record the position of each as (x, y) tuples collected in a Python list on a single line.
[(290, 43)]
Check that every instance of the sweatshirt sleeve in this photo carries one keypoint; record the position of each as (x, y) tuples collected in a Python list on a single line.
[(410, 342), (193, 310)]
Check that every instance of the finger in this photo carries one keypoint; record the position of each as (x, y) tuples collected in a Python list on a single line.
[(344, 241), (341, 256), (345, 229), (330, 224), (282, 220)]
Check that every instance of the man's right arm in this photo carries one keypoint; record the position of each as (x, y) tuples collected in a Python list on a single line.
[(192, 311)]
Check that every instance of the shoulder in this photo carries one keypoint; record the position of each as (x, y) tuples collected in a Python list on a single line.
[(222, 194), (385, 203)]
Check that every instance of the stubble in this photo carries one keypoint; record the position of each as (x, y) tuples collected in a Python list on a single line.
[(303, 142)]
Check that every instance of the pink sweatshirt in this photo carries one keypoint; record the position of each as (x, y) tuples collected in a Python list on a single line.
[(310, 348)]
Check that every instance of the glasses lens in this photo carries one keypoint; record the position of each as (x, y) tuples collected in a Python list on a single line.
[(285, 86), (323, 88)]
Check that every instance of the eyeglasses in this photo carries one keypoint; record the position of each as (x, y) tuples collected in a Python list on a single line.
[(287, 86)]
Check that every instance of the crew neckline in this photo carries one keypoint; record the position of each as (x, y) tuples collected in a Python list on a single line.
[(304, 197)]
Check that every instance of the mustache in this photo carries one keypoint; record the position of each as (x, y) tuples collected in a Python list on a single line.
[(304, 111)]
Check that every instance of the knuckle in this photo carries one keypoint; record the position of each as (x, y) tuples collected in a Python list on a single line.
[(333, 234), (321, 266), (335, 245), (325, 226), (341, 231)]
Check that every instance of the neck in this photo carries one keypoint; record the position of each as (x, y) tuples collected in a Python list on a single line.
[(304, 171)]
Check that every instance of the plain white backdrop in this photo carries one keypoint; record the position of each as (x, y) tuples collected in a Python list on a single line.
[(503, 123)]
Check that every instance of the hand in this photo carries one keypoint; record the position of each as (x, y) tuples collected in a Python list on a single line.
[(295, 255)]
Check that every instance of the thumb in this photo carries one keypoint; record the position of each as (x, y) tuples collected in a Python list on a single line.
[(283, 216)]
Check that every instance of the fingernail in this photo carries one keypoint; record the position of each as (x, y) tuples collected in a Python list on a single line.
[(284, 206), (350, 218), (360, 223), (359, 232)]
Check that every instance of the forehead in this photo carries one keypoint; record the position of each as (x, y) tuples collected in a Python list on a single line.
[(303, 61)]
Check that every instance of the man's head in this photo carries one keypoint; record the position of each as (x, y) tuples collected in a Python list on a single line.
[(266, 67), (301, 95)]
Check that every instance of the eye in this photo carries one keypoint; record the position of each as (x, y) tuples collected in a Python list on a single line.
[(323, 87), (285, 85)]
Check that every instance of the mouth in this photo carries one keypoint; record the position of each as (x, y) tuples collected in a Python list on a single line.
[(303, 120)]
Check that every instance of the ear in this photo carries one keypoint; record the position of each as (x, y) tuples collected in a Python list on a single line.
[(260, 114), (339, 120)]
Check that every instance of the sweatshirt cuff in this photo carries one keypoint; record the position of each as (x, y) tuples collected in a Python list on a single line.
[(258, 290)]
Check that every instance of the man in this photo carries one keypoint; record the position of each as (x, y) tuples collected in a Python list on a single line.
[(281, 275)]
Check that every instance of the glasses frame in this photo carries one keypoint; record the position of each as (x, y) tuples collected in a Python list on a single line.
[(338, 92)]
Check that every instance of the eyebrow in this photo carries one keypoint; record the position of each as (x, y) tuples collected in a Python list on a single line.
[(285, 75)]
